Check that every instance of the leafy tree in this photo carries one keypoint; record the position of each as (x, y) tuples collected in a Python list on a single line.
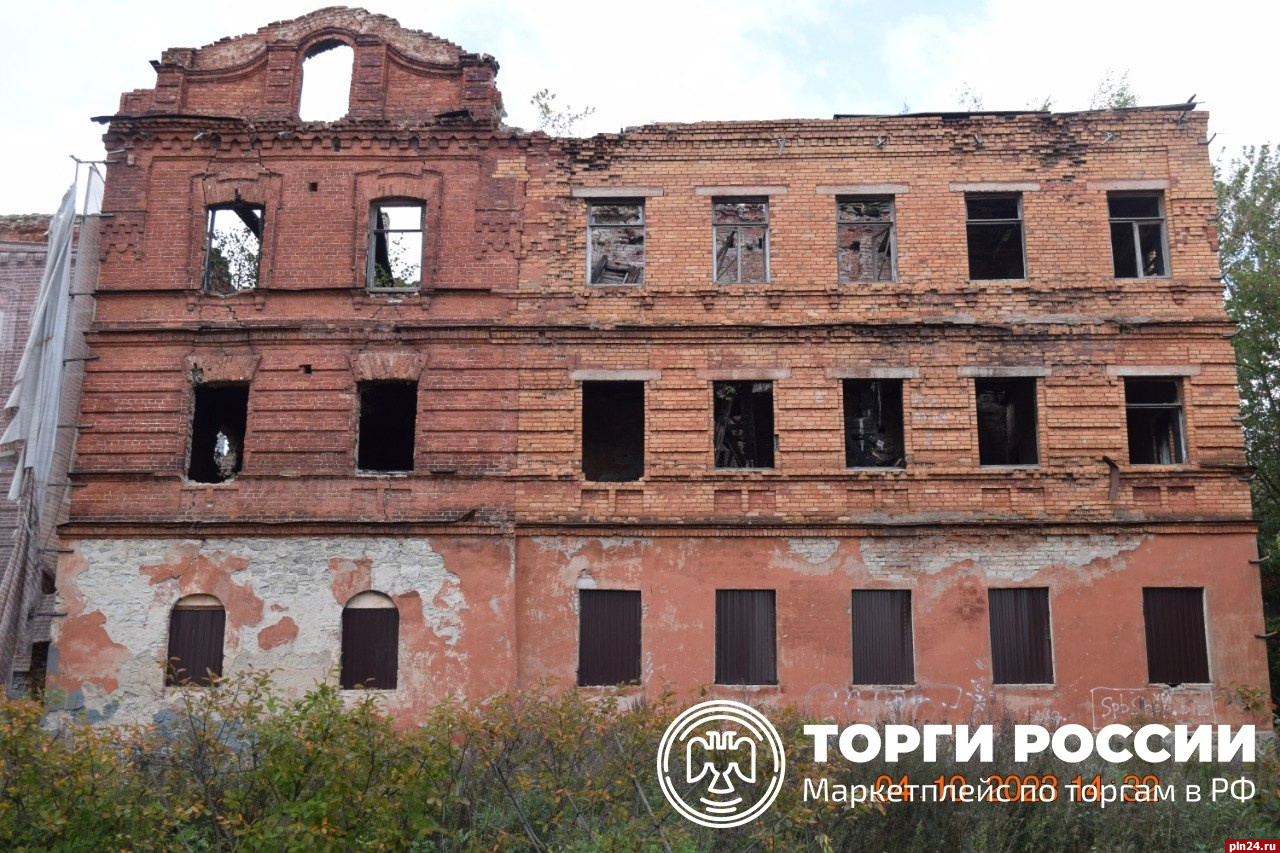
[(557, 122), (1113, 92)]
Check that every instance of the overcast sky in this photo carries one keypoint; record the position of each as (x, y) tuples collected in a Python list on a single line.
[(678, 61)]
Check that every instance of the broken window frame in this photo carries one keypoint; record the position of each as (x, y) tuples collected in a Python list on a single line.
[(376, 446), (611, 465), (1030, 389), (890, 238), (893, 448), (196, 622), (736, 229), (1172, 450), (595, 229), (1175, 621), (375, 277), (370, 655), (610, 623), (1134, 233), (223, 464), (724, 404), (241, 268), (972, 222)]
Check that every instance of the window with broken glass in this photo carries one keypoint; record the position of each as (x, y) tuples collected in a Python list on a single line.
[(1138, 238), (740, 232), (233, 247), (1153, 409), (864, 239), (994, 230), (1007, 421), (395, 245), (218, 420), (744, 424), (615, 243), (873, 424)]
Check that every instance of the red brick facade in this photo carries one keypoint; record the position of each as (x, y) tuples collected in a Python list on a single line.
[(505, 329)]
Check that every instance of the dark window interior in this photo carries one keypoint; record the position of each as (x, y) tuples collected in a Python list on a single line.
[(233, 247), (1021, 643), (744, 424), (388, 415), (1137, 235), (882, 643), (617, 242), (1007, 421), (995, 237), (218, 422), (195, 644), (370, 647), (864, 239), (608, 636), (1176, 648), (613, 431), (1153, 409), (873, 423), (746, 639)]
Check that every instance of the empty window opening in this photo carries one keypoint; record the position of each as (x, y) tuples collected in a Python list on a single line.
[(883, 652), (746, 636), (864, 239), (873, 423), (1138, 236), (740, 232), (33, 679), (370, 642), (1021, 638), (326, 82), (608, 637), (612, 431), (1153, 409), (744, 424), (217, 432), (1177, 652), (395, 245), (388, 417), (615, 243), (196, 626), (1007, 422), (233, 247), (994, 229)]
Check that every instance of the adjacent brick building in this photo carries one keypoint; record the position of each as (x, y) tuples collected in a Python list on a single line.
[(884, 414)]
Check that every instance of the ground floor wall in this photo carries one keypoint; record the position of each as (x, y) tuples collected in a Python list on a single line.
[(483, 613)]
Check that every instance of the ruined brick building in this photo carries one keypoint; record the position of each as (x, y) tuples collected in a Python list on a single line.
[(923, 414)]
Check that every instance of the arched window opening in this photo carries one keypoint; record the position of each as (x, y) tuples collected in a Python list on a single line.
[(326, 82), (370, 642), (196, 627)]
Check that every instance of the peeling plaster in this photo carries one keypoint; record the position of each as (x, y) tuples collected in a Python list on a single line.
[(1004, 558), (813, 551)]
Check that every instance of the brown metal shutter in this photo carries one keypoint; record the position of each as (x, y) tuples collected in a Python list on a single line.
[(370, 647), (1176, 648), (195, 645), (608, 636), (882, 644), (1021, 643), (746, 637)]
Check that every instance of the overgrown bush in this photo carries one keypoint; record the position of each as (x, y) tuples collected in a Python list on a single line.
[(240, 766)]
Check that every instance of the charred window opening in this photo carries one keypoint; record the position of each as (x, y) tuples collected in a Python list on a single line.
[(873, 424), (744, 424), (612, 431), (395, 245), (388, 419), (1007, 422), (218, 422), (370, 643), (196, 626), (608, 637), (994, 229), (746, 636), (1153, 408), (883, 652), (616, 242), (740, 232), (1138, 236), (233, 247), (1177, 652), (864, 239), (326, 82), (1021, 637)]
